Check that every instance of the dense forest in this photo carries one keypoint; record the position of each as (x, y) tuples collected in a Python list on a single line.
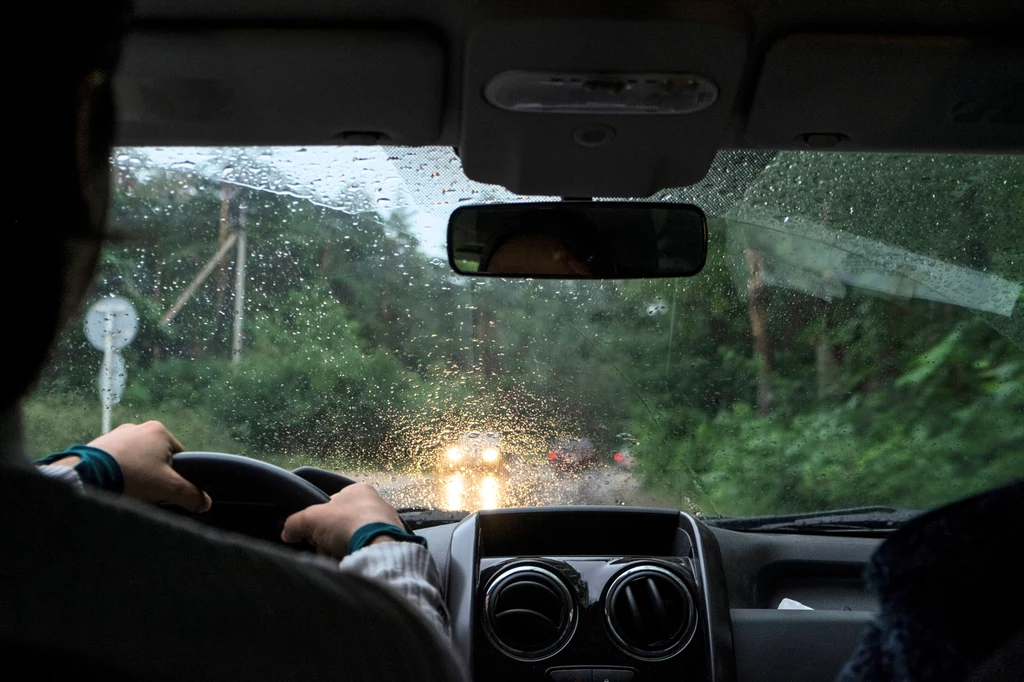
[(855, 338)]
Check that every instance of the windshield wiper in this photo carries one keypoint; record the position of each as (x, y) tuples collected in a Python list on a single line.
[(860, 520), (424, 517)]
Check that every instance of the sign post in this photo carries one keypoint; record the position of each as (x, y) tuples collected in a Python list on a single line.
[(110, 325)]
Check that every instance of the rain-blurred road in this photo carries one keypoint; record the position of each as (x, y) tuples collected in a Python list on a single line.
[(518, 484)]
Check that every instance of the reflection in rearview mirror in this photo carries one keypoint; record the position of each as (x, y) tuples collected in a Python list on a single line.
[(578, 240)]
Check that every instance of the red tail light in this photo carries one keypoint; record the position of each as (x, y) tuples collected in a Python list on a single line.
[(618, 457), (552, 455)]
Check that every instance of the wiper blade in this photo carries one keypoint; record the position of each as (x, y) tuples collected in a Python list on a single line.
[(424, 517), (871, 520)]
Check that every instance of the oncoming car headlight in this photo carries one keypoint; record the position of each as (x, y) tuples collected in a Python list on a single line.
[(453, 454), (489, 455)]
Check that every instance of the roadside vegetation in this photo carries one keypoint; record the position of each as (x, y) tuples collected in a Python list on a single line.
[(748, 390)]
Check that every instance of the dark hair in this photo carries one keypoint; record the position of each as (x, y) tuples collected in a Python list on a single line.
[(48, 213)]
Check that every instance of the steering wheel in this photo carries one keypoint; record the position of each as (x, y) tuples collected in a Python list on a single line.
[(250, 496)]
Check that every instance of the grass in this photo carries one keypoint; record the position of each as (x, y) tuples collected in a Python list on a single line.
[(54, 421)]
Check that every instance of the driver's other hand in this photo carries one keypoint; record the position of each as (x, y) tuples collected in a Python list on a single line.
[(329, 526), (143, 451)]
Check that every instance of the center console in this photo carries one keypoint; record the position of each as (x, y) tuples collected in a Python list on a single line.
[(589, 594)]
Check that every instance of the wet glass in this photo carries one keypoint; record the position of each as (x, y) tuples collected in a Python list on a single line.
[(854, 338)]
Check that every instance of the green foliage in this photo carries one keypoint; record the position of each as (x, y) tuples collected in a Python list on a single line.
[(916, 444), (360, 349), (844, 457)]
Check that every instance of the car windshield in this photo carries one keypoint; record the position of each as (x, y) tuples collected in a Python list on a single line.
[(855, 338)]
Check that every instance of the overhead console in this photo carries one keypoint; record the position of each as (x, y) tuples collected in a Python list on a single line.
[(574, 102), (589, 594)]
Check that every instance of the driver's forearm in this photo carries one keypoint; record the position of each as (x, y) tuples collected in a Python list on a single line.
[(408, 569)]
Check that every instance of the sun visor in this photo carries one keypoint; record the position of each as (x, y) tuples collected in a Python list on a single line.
[(609, 107), (266, 87), (861, 92)]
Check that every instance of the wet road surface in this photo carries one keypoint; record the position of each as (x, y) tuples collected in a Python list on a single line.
[(518, 483)]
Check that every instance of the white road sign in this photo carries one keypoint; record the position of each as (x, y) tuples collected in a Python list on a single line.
[(110, 325), (115, 315)]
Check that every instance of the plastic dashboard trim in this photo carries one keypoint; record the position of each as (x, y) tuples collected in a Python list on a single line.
[(721, 658), (462, 564), (462, 576)]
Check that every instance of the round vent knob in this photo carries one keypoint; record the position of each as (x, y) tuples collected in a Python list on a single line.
[(529, 613), (650, 612)]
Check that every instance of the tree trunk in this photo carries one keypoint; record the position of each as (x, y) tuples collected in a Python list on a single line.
[(826, 358), (325, 257), (483, 330), (756, 309), (885, 356), (826, 366)]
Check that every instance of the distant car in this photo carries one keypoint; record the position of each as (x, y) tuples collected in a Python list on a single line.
[(624, 459), (568, 454), (474, 450)]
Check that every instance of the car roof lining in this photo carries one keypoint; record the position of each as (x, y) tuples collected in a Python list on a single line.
[(862, 76)]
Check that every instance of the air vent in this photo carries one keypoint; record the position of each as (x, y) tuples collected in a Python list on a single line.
[(650, 612), (529, 613)]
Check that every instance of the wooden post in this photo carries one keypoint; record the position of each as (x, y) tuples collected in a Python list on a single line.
[(158, 296), (236, 337), (197, 281), (223, 232)]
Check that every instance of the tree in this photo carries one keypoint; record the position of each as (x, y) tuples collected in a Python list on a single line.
[(762, 385)]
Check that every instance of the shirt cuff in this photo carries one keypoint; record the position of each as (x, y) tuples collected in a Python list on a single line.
[(366, 533), (97, 467)]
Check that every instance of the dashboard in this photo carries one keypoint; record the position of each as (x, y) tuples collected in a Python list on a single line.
[(613, 594)]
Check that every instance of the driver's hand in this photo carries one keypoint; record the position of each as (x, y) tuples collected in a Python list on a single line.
[(330, 525), (143, 451)]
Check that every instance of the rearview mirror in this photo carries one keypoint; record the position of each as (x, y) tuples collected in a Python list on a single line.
[(578, 240)]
